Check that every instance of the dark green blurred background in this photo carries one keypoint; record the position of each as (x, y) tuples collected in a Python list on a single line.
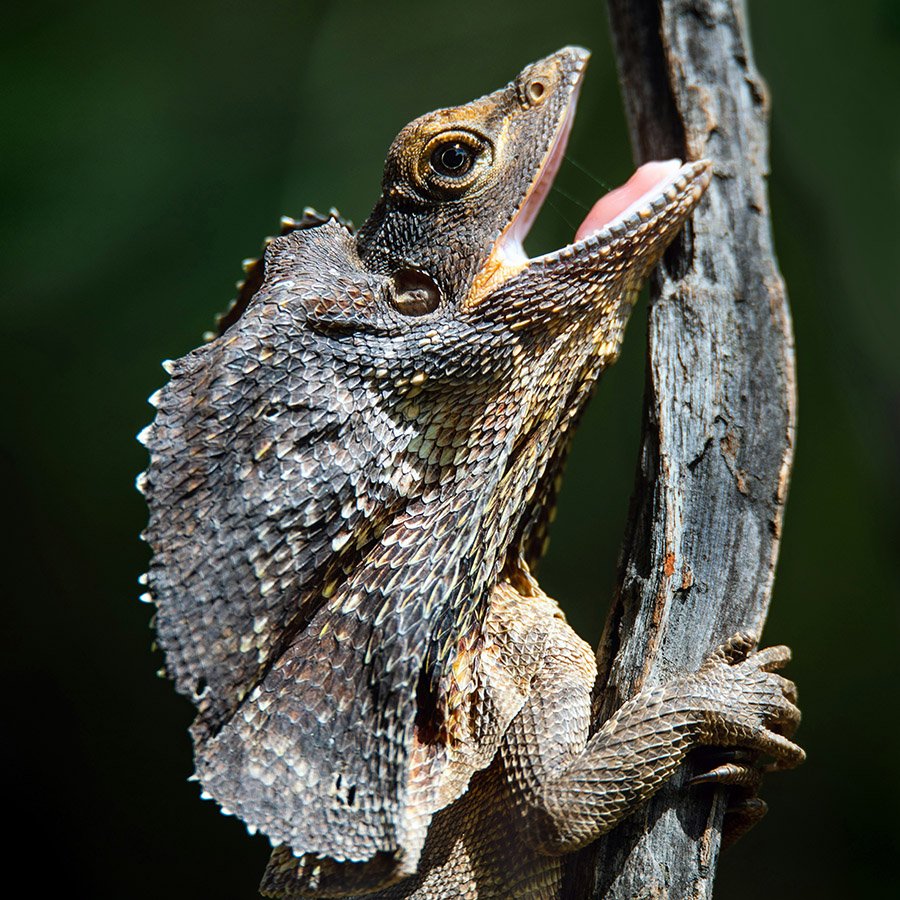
[(148, 147)]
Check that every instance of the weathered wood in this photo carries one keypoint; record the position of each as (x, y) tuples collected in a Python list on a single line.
[(700, 550)]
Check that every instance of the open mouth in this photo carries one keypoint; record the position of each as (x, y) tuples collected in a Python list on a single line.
[(650, 189)]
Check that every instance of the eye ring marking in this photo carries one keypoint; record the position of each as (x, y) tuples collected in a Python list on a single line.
[(451, 162)]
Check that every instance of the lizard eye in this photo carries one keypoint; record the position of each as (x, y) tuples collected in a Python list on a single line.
[(452, 159), (452, 162)]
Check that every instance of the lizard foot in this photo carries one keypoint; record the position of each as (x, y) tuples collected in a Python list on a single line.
[(751, 711), (748, 705)]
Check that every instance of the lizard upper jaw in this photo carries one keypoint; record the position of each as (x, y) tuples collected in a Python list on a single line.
[(511, 242)]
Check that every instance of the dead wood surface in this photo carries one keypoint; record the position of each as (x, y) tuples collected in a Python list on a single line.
[(699, 554)]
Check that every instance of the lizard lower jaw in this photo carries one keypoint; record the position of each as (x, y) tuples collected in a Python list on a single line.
[(648, 182)]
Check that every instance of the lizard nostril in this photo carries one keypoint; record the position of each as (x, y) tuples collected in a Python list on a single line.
[(536, 91)]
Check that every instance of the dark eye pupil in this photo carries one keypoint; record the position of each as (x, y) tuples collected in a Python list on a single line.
[(452, 160), (454, 157)]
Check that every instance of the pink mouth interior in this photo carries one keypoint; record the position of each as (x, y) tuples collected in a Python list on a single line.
[(619, 203)]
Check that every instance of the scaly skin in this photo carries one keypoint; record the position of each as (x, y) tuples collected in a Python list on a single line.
[(348, 488)]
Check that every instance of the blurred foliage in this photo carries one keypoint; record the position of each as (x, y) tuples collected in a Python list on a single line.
[(147, 147)]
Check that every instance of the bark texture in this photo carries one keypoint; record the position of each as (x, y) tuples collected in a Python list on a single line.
[(702, 540)]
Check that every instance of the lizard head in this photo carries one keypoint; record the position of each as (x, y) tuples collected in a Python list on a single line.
[(456, 179), (463, 185)]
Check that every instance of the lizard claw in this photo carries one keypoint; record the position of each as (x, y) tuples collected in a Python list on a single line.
[(733, 767)]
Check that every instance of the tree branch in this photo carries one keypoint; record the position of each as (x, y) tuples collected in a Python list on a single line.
[(702, 540)]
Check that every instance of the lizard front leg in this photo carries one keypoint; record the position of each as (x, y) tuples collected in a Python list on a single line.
[(570, 790)]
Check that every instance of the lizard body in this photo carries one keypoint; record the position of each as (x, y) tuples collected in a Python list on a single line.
[(348, 489)]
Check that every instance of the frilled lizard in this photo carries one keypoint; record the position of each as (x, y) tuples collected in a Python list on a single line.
[(348, 490)]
